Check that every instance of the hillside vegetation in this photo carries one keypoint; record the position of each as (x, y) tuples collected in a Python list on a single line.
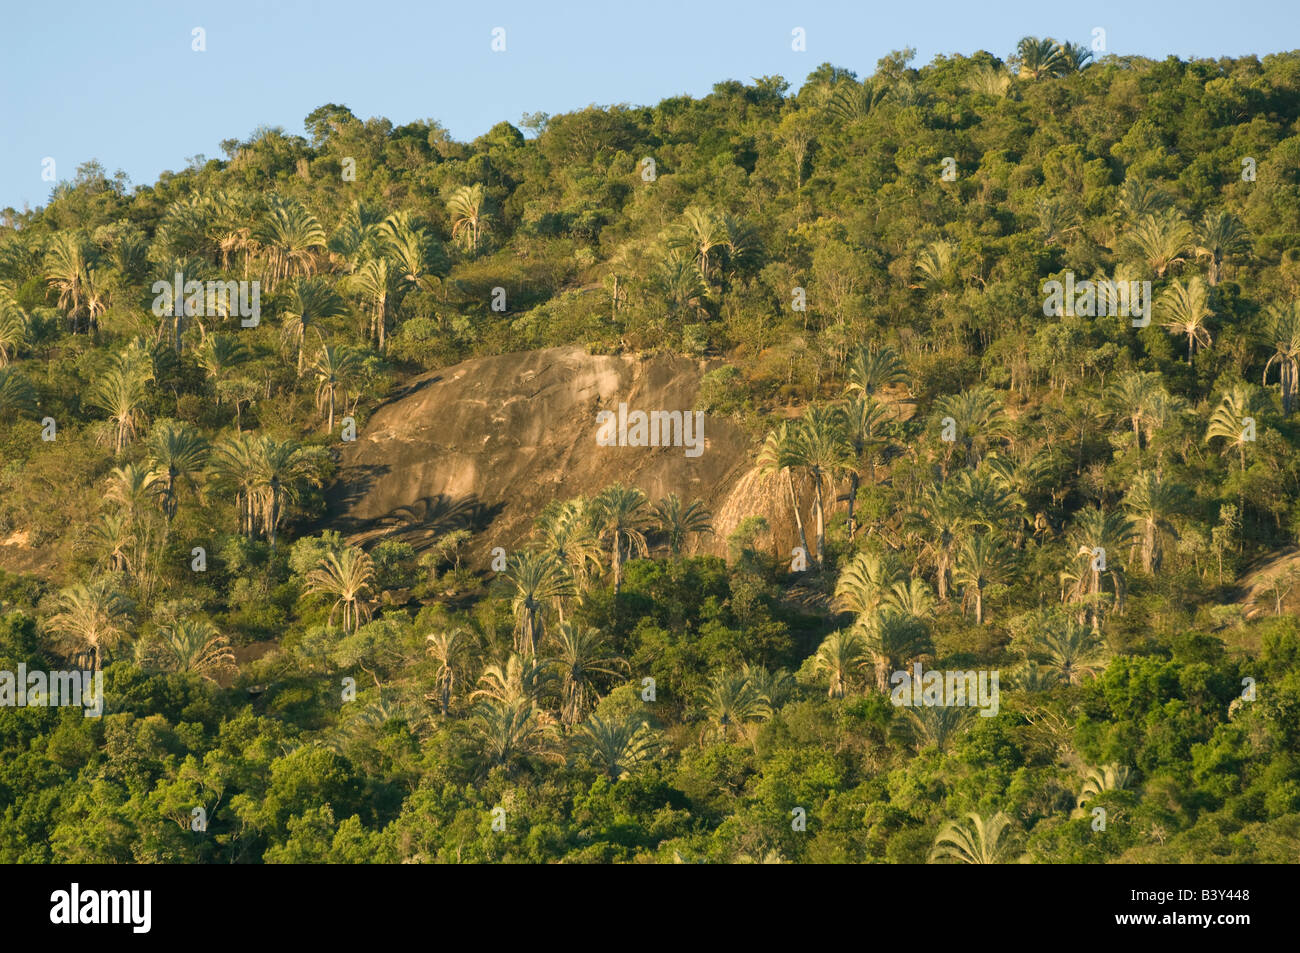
[(1065, 499)]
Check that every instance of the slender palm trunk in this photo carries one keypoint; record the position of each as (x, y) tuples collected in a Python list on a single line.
[(821, 527), (275, 510), (616, 563), (853, 499), (798, 517), (1096, 602)]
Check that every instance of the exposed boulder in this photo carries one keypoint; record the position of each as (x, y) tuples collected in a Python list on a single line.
[(486, 444)]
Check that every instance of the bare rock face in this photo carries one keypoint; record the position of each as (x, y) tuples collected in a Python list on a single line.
[(486, 444)]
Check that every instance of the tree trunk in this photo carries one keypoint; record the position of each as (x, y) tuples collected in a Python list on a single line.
[(1096, 602), (798, 517), (617, 565), (853, 499), (821, 528)]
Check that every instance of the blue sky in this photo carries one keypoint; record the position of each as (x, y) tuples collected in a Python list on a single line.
[(119, 82)]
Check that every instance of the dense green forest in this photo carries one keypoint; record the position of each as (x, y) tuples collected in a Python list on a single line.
[(1073, 502)]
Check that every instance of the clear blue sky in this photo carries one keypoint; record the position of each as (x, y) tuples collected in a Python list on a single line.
[(118, 81)]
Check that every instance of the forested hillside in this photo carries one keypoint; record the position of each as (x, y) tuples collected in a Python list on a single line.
[(1074, 500)]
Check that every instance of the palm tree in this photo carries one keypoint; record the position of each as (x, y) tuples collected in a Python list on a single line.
[(1151, 502), (976, 841), (289, 234), (132, 488), (891, 640), (862, 420), (469, 216), (852, 101), (1229, 421), (177, 452), (1072, 58), (333, 368), (378, 283), (740, 247), (978, 420), (121, 390), (234, 465), (447, 647), (1141, 197), (219, 355), (620, 517), (616, 747), (1222, 236), (581, 654), (93, 616), (311, 302), (772, 685), (1284, 334), (942, 519), (227, 223), (733, 701), (1038, 58), (520, 679), (507, 733), (349, 575), (16, 393), (911, 598), (871, 369), (1162, 239), (1069, 650), (113, 535), (982, 561), (1188, 306), (194, 646), (777, 456), (68, 259), (567, 534), (538, 578), (935, 726), (1136, 396), (938, 264), (1109, 532), (677, 522), (278, 469), (984, 496), (1109, 777), (840, 654), (676, 278), (987, 79), (865, 584), (700, 231), (822, 450), (13, 327), (418, 258), (357, 237)]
